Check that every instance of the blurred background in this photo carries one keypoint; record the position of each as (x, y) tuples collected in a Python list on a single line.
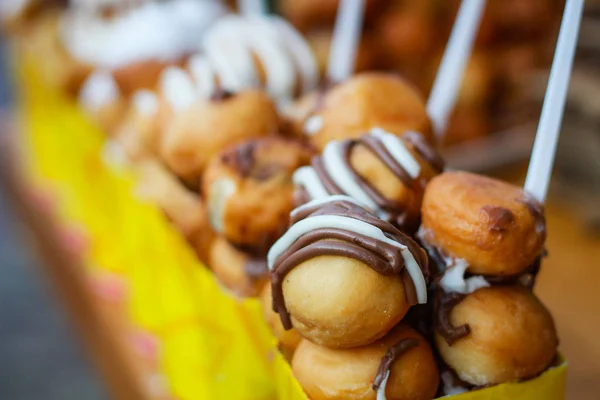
[(491, 131)]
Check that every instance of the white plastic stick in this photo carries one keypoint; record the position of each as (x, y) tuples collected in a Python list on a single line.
[(252, 7), (546, 139), (449, 76), (346, 36)]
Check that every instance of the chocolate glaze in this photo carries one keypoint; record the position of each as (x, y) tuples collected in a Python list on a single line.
[(445, 302), (499, 219), (425, 150), (392, 355), (221, 95), (378, 255), (397, 215), (241, 158)]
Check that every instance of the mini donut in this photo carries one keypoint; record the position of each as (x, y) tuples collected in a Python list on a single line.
[(342, 277), (495, 227), (102, 100), (510, 336), (387, 173), (249, 190), (206, 127), (288, 339), (364, 102), (399, 366), (242, 273), (139, 134), (182, 207)]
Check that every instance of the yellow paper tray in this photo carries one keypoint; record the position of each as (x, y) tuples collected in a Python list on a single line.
[(211, 346)]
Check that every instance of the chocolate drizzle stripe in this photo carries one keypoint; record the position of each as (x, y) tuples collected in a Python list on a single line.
[(424, 150), (445, 302), (331, 227), (391, 356), (328, 183)]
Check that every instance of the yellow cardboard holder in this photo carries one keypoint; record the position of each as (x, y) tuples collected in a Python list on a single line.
[(212, 346)]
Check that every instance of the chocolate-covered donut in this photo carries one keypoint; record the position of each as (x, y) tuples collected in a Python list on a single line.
[(378, 271), (385, 172)]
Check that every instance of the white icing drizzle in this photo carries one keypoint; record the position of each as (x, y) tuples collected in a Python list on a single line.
[(398, 151), (339, 172), (226, 50), (307, 178), (381, 388), (163, 31), (234, 41), (220, 191), (300, 52), (178, 88), (448, 385), (203, 75), (145, 102), (313, 125), (453, 270), (309, 224), (454, 280), (278, 66), (99, 89)]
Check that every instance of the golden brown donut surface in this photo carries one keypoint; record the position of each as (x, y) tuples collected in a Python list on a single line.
[(249, 190), (512, 336), (366, 101), (195, 135), (493, 225), (341, 374)]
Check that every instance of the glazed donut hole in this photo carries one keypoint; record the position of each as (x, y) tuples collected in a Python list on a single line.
[(198, 133), (326, 373), (249, 189), (243, 274), (512, 337), (494, 226), (407, 198), (366, 101), (341, 302), (288, 339)]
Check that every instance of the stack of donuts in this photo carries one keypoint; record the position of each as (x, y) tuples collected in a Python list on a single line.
[(398, 280), (381, 275)]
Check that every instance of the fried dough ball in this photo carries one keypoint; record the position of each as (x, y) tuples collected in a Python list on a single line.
[(364, 102), (494, 226), (249, 190), (198, 133), (341, 302), (512, 336), (390, 172), (340, 374)]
